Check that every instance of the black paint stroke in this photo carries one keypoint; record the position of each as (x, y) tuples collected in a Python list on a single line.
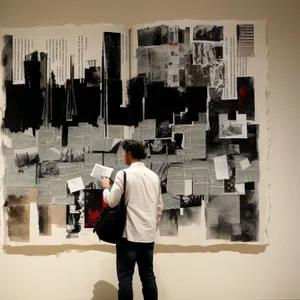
[(25, 102), (249, 215), (34, 102), (18, 218), (249, 146), (168, 225), (44, 84), (136, 92), (117, 115), (44, 219), (190, 216), (113, 55), (246, 100)]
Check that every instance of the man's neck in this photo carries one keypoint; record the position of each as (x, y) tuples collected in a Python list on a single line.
[(134, 161)]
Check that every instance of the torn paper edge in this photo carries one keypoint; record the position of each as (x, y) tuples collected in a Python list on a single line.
[(268, 140), (4, 141)]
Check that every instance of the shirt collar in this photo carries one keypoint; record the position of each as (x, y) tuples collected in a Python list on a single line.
[(137, 164)]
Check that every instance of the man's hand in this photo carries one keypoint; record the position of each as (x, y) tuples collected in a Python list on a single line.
[(105, 182)]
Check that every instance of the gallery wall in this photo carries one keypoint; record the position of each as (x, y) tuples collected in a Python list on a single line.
[(246, 273)]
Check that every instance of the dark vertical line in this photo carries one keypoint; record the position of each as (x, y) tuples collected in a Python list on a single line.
[(129, 93), (106, 107), (104, 88), (36, 173), (67, 214), (65, 132), (44, 89), (129, 86), (129, 52)]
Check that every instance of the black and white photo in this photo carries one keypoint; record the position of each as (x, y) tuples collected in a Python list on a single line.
[(208, 59), (153, 36), (26, 157), (232, 129), (161, 146), (48, 169), (208, 33), (72, 155), (191, 200), (75, 215)]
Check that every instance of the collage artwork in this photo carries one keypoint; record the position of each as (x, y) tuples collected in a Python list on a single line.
[(194, 92)]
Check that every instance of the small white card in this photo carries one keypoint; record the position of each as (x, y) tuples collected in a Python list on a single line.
[(221, 167), (245, 163), (188, 187), (75, 184), (240, 188)]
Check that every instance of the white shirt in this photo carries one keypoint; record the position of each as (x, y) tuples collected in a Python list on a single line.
[(145, 205)]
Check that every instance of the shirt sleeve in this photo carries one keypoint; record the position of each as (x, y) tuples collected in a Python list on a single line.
[(160, 205), (112, 197)]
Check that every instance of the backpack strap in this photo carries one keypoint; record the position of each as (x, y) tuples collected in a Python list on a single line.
[(124, 185)]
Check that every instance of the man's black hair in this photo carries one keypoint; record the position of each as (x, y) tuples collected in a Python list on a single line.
[(136, 148)]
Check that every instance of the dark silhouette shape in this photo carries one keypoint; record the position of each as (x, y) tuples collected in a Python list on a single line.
[(104, 290)]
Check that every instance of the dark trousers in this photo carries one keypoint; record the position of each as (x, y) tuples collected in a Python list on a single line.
[(128, 254)]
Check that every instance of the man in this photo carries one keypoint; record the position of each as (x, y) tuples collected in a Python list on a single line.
[(144, 210)]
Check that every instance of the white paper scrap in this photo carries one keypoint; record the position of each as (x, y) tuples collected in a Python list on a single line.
[(240, 188), (75, 184), (188, 187), (245, 163), (221, 167)]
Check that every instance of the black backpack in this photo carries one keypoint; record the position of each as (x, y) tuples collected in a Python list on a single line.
[(111, 222)]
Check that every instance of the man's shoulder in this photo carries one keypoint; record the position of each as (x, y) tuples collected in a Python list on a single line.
[(120, 173), (143, 169), (151, 172)]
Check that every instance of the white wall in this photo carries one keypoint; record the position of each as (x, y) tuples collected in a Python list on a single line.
[(273, 274)]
